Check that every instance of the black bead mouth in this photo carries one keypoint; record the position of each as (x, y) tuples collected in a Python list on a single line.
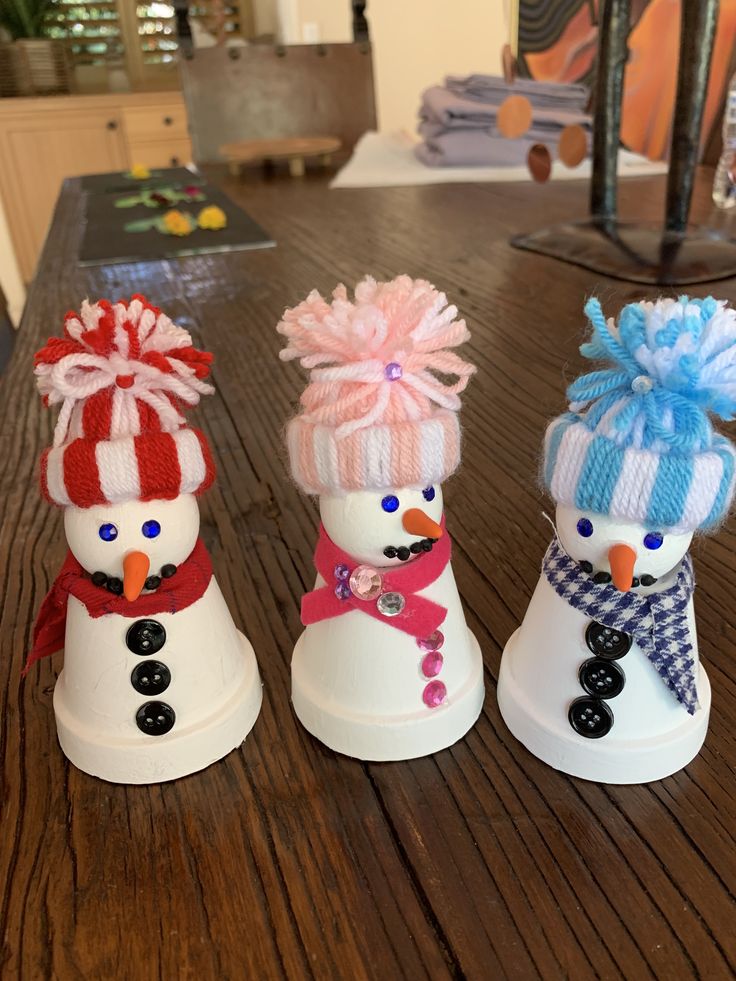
[(115, 586), (405, 552), (603, 578)]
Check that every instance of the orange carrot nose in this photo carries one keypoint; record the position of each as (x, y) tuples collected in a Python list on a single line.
[(135, 571), (416, 522), (622, 559)]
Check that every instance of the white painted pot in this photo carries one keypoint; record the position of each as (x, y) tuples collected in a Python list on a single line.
[(213, 689), (652, 734), (357, 681)]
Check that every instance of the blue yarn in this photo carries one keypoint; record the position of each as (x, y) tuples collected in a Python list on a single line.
[(671, 485), (678, 386), (600, 473), (721, 501), (663, 368)]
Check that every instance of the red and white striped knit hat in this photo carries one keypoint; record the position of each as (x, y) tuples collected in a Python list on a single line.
[(123, 374)]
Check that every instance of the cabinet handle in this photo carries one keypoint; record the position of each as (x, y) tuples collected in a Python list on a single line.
[(112, 124), (168, 121)]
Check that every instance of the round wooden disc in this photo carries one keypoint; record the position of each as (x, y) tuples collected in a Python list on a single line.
[(573, 146), (539, 162), (514, 116)]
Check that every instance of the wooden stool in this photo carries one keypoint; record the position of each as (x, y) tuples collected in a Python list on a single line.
[(295, 149)]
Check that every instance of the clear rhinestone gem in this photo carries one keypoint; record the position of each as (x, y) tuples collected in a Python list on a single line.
[(391, 604)]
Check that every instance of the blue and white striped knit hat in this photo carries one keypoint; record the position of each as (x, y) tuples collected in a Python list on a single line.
[(637, 442)]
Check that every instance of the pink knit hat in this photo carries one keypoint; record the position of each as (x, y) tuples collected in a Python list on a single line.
[(122, 375), (374, 416)]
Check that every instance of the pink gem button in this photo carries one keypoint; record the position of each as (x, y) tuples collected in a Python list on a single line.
[(431, 643), (434, 694), (432, 664), (365, 583)]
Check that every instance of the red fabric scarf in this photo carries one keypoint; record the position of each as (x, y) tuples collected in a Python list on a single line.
[(420, 616), (176, 593)]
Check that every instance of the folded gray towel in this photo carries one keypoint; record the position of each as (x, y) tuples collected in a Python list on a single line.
[(494, 89), (451, 111), (472, 148)]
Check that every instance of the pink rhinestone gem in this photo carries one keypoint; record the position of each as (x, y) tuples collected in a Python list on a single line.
[(432, 664), (434, 694), (365, 582), (431, 643)]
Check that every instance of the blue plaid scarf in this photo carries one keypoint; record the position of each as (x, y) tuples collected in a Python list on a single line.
[(658, 622)]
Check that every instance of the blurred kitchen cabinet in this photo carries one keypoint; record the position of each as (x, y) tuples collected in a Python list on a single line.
[(43, 141)]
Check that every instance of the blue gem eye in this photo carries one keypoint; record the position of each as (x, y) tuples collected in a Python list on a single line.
[(428, 493), (585, 527), (151, 529), (108, 532), (653, 539), (390, 503)]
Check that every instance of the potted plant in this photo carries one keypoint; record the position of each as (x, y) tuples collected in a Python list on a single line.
[(31, 62)]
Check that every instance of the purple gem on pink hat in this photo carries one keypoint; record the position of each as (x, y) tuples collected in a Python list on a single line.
[(393, 371)]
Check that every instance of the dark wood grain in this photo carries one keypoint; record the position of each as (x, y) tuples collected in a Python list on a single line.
[(284, 859)]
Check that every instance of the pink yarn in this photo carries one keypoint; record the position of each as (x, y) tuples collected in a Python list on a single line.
[(347, 345)]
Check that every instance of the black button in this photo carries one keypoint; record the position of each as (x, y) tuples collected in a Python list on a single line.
[(415, 548), (607, 642), (115, 585), (601, 677), (390, 552), (99, 578), (168, 571), (586, 566), (145, 637), (602, 578), (150, 678), (155, 718), (590, 717), (647, 580), (153, 582), (403, 553)]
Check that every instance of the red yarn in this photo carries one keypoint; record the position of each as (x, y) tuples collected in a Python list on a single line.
[(173, 595), (124, 376)]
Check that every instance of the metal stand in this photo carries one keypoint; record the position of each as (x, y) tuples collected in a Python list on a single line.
[(643, 252)]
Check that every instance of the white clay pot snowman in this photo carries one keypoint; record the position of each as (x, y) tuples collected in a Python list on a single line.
[(386, 668), (362, 685), (603, 679), (157, 681)]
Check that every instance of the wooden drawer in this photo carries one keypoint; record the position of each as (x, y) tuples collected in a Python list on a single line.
[(161, 153), (164, 122)]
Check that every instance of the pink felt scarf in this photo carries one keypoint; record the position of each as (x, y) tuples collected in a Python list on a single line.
[(420, 616)]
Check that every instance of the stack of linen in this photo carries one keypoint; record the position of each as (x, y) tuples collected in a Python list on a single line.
[(458, 121)]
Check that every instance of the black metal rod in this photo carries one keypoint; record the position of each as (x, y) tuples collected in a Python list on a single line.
[(613, 30), (696, 47)]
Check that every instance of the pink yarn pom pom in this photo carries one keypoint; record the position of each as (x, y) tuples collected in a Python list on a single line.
[(352, 350)]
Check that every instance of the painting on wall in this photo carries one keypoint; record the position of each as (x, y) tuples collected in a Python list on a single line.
[(557, 42)]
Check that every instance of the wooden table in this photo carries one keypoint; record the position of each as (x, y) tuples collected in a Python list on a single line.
[(285, 860)]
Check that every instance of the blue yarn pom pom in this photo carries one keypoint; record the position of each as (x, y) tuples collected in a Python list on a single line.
[(669, 363)]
